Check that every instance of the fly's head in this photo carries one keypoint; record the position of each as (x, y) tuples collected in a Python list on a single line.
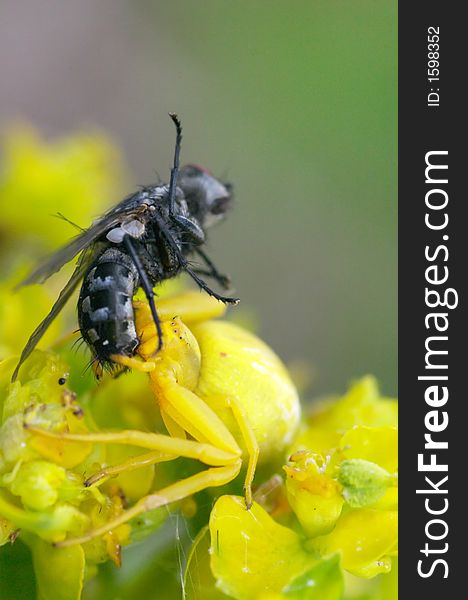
[(208, 199)]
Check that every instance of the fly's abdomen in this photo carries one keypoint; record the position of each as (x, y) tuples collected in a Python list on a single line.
[(105, 311)]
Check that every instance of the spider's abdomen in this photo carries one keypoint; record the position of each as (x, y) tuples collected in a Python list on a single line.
[(105, 311)]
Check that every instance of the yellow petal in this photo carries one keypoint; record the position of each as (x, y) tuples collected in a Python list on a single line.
[(375, 444), (364, 537), (250, 553)]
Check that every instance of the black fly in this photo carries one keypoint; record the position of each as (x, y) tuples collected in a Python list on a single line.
[(140, 242)]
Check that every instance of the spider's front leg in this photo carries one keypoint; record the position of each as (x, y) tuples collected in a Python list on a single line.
[(212, 477), (181, 407), (175, 371)]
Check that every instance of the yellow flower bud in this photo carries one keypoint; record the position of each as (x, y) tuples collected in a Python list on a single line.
[(313, 495)]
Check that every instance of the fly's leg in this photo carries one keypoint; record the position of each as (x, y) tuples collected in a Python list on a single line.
[(185, 265), (176, 163), (193, 233), (146, 285), (223, 280), (204, 286), (190, 307)]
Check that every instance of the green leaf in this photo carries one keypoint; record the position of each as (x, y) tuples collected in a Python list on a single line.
[(324, 581)]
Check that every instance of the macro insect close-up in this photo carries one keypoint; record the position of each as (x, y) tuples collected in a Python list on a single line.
[(166, 433), (223, 395), (144, 240)]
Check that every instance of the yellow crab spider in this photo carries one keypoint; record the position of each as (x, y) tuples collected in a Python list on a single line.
[(223, 395)]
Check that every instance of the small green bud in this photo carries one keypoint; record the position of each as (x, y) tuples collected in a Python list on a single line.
[(364, 482), (38, 483)]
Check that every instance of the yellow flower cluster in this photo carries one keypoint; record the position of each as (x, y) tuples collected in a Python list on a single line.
[(339, 505), (323, 524), (77, 176), (342, 484)]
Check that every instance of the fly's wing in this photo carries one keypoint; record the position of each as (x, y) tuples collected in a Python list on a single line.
[(128, 206), (83, 264)]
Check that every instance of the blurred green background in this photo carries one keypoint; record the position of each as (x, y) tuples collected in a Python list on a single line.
[(294, 102)]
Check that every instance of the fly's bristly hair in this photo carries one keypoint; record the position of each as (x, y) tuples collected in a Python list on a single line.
[(145, 239)]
